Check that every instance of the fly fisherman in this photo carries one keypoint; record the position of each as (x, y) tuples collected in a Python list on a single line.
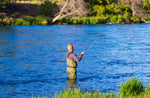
[(72, 60)]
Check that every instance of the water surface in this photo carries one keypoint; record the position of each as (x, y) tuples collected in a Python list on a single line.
[(32, 58)]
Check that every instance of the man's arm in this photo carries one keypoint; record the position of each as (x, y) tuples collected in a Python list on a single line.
[(76, 58)]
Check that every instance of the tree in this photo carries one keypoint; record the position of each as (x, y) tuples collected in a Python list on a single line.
[(46, 8), (136, 7), (3, 3), (72, 8)]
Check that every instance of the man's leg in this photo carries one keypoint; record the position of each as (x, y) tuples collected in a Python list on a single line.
[(72, 74)]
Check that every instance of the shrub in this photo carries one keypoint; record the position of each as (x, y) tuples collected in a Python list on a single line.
[(131, 87), (46, 8), (137, 20), (120, 19), (147, 90), (127, 17), (29, 19), (40, 21), (21, 22), (74, 20), (148, 17), (83, 20), (99, 10), (93, 20), (7, 21), (63, 20), (114, 19)]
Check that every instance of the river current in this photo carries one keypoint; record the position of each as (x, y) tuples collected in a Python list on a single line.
[(33, 63)]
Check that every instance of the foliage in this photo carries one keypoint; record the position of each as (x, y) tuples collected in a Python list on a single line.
[(148, 17), (102, 11), (131, 87), (77, 93), (147, 90), (28, 20), (46, 8), (83, 20), (40, 21), (64, 20), (115, 10), (4, 3), (21, 22), (74, 20)]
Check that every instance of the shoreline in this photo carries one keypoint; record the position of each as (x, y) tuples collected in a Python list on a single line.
[(27, 14), (132, 88)]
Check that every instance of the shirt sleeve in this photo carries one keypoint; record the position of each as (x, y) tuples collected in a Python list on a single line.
[(76, 58)]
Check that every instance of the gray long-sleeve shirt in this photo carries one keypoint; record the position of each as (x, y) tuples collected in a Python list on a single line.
[(73, 56)]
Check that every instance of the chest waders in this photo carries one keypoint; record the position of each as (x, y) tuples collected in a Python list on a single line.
[(71, 69)]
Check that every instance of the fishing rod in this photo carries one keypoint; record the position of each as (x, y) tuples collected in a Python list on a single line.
[(89, 46)]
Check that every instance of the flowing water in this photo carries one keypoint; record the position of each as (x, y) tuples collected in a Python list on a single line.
[(32, 58)]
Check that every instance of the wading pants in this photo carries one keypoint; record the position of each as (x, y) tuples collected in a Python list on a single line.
[(72, 73)]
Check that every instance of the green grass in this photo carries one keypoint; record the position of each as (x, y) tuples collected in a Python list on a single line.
[(132, 88), (27, 20)]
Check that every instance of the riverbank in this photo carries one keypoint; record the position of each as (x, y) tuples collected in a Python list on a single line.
[(132, 88), (28, 14), (42, 20)]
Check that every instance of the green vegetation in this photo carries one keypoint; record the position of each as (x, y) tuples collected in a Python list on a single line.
[(132, 88), (27, 20), (101, 12), (46, 8), (147, 91)]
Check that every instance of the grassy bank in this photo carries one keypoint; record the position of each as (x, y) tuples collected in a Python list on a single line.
[(132, 88), (43, 20), (27, 20), (120, 19), (108, 12)]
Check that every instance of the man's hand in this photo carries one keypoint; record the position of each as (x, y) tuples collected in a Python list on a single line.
[(82, 53)]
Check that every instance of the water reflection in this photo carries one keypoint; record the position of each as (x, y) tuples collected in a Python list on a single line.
[(71, 83)]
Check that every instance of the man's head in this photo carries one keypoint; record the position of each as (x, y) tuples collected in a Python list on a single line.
[(70, 47)]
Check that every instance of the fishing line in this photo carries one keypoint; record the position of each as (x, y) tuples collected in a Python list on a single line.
[(90, 46), (92, 43)]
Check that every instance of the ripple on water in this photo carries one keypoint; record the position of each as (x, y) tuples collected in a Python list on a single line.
[(32, 61)]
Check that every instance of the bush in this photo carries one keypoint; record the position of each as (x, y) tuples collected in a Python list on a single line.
[(147, 90), (131, 87), (120, 19), (127, 17), (93, 20), (28, 20), (46, 8), (148, 17), (21, 22), (84, 20), (74, 21), (114, 19), (40, 21), (64, 20), (7, 21)]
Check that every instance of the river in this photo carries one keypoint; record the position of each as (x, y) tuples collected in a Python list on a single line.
[(32, 58)]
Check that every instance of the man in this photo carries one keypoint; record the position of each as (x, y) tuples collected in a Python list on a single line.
[(72, 60)]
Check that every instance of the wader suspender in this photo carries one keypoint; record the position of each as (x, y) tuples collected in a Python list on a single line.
[(68, 58), (69, 54)]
